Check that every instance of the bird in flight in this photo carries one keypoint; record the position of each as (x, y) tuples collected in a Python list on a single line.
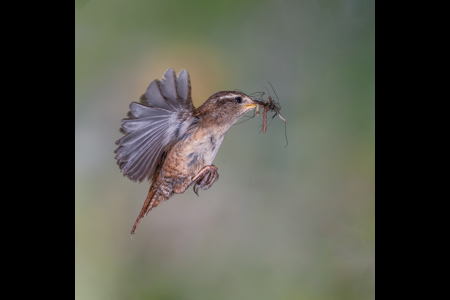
[(171, 143)]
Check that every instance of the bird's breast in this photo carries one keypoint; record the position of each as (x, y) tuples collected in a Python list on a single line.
[(188, 156), (203, 146)]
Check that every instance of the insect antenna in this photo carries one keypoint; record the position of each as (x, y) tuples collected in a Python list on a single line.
[(274, 92)]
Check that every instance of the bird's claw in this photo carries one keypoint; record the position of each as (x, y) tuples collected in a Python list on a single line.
[(205, 179)]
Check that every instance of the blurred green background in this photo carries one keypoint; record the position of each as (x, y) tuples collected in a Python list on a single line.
[(281, 223)]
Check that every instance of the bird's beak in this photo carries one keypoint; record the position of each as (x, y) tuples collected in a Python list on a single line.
[(259, 102), (255, 104)]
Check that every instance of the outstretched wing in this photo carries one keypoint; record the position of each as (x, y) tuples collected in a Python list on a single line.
[(161, 118)]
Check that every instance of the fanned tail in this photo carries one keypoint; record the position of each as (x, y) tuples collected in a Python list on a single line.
[(154, 198)]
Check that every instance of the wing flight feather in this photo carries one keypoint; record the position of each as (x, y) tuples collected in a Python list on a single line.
[(154, 124)]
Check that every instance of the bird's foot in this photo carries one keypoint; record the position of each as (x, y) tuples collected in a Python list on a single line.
[(205, 178)]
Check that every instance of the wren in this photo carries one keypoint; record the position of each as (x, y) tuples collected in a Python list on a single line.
[(173, 144)]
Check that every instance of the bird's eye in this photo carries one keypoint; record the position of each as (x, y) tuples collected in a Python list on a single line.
[(238, 99)]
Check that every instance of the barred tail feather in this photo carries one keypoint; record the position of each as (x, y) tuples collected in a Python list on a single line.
[(154, 198)]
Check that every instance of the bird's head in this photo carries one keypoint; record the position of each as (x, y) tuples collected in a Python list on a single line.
[(227, 106)]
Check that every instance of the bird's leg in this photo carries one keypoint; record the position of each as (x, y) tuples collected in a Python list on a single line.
[(205, 178)]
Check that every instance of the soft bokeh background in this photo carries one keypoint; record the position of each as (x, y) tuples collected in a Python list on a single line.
[(281, 223)]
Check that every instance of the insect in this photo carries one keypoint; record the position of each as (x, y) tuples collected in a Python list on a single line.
[(272, 106)]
